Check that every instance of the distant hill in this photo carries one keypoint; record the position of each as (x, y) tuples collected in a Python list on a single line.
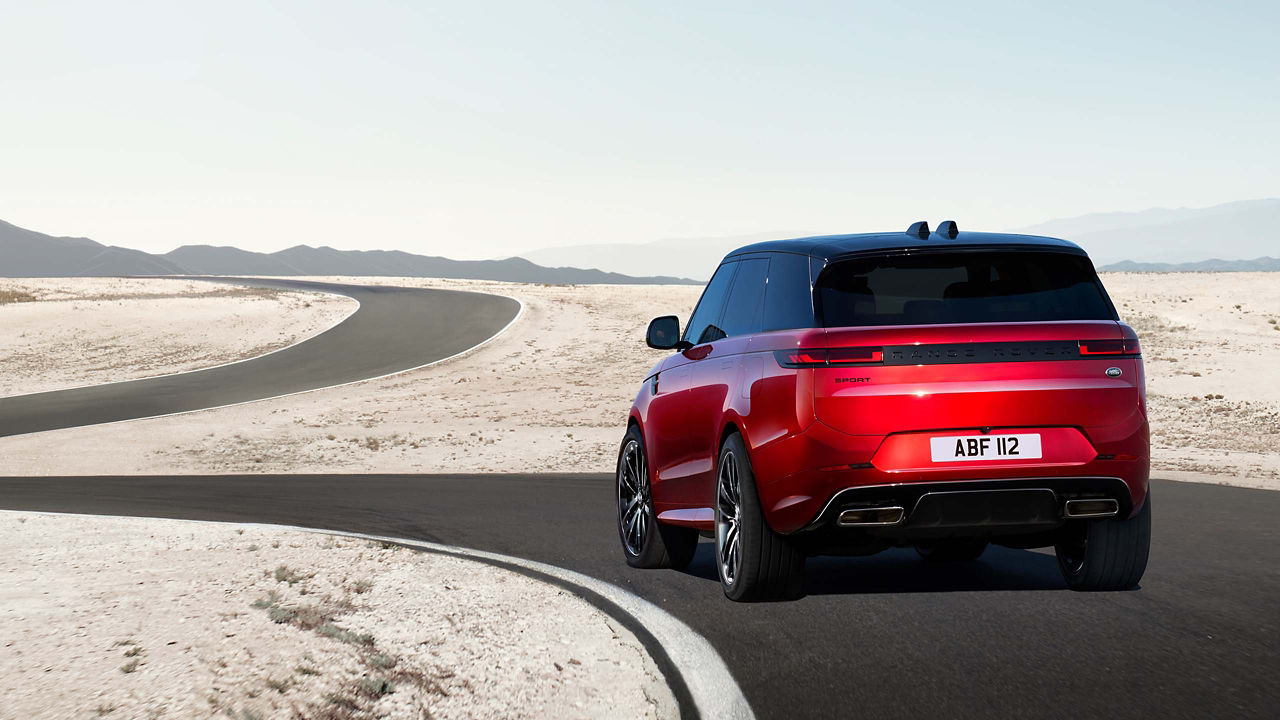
[(686, 257), (1234, 231), (1212, 265), (26, 253)]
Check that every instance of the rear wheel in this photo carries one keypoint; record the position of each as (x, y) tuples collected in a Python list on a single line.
[(753, 561), (1106, 554), (952, 550), (646, 543)]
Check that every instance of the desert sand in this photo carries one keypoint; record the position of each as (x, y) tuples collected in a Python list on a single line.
[(59, 333), (553, 391), (141, 618)]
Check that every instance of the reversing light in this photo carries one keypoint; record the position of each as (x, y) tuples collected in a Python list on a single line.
[(1110, 347), (823, 357)]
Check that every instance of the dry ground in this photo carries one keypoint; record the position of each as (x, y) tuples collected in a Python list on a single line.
[(552, 393), (1210, 344), (64, 332), (142, 618)]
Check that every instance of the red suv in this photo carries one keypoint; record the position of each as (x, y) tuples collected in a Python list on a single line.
[(851, 393)]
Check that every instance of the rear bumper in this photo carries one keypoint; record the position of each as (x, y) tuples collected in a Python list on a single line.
[(998, 506), (803, 477)]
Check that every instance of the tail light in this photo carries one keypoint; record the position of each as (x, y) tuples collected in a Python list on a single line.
[(824, 357), (1110, 347)]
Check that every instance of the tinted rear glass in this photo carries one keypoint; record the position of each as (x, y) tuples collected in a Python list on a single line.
[(788, 302), (742, 310), (968, 287)]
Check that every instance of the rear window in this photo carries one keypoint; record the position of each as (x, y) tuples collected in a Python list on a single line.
[(961, 287)]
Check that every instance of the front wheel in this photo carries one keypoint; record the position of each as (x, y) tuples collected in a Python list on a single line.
[(1106, 554), (754, 562), (646, 543)]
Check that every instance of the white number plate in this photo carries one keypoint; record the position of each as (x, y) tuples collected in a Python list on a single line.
[(958, 448)]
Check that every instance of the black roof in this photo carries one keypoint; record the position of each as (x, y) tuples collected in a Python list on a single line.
[(830, 247)]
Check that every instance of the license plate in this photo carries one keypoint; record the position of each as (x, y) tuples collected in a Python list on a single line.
[(958, 448)]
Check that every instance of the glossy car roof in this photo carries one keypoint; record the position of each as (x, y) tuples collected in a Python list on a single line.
[(830, 247)]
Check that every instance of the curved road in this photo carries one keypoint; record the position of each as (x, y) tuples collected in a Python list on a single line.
[(882, 636), (394, 329)]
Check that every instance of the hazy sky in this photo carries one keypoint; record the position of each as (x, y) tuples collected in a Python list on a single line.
[(480, 129)]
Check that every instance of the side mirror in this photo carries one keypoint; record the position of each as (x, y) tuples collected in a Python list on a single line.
[(664, 334)]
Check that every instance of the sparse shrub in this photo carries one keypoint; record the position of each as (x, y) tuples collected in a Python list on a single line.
[(375, 687), (284, 573), (306, 670), (281, 615), (134, 651), (280, 686), (130, 666), (382, 661), (15, 296), (310, 617), (345, 702)]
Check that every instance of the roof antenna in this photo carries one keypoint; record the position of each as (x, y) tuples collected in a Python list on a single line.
[(948, 228), (920, 229)]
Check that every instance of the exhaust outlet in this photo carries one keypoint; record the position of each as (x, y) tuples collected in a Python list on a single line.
[(871, 517), (1091, 508)]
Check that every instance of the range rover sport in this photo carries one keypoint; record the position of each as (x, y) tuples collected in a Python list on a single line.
[(847, 394)]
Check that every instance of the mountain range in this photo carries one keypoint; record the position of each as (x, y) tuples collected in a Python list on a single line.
[(1233, 236), (1195, 237), (27, 253)]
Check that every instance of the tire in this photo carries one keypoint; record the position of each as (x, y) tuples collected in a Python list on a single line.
[(646, 543), (754, 562), (1106, 554), (947, 551)]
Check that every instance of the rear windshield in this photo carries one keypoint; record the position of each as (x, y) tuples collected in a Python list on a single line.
[(961, 287)]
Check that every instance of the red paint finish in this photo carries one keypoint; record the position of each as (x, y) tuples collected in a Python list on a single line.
[(814, 431)]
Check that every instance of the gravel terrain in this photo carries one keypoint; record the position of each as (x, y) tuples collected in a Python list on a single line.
[(142, 618)]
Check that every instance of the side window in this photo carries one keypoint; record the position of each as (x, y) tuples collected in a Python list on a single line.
[(788, 303), (746, 299), (704, 326)]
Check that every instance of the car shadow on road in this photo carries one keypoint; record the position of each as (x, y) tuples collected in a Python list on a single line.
[(901, 570)]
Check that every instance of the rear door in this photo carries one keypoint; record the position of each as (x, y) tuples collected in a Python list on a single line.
[(956, 344)]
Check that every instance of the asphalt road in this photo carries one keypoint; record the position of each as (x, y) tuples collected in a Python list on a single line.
[(394, 329), (883, 636)]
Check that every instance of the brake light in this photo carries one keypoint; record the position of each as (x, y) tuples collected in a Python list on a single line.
[(1110, 347), (801, 358), (822, 357)]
